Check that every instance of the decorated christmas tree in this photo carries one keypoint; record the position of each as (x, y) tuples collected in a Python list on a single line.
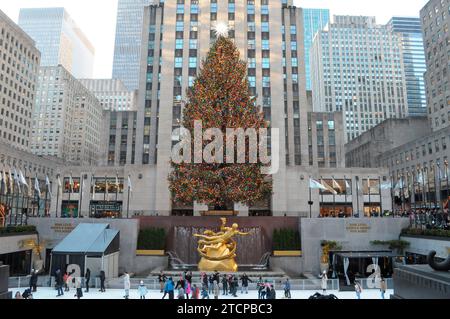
[(220, 99)]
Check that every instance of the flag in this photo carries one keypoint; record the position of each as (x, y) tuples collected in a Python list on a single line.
[(93, 187), (71, 183), (386, 185), (16, 180), (313, 184), (399, 185), (328, 187), (30, 192), (106, 187), (337, 186), (11, 183), (36, 187), (117, 184), (130, 187), (22, 179), (420, 177), (47, 184), (59, 182), (5, 182)]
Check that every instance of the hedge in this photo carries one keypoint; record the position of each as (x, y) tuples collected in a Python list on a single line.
[(17, 230), (286, 239), (427, 232), (152, 239)]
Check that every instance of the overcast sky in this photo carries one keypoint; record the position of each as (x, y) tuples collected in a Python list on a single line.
[(97, 18)]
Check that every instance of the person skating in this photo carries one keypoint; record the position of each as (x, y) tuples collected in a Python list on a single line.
[(67, 279), (195, 292), (216, 290), (102, 281), (87, 278), (162, 280), (287, 289), (78, 288), (211, 284), (181, 292), (59, 282), (205, 294), (245, 280), (235, 285), (187, 288), (169, 288), (225, 285), (383, 288), (324, 283), (271, 293), (188, 277), (33, 280), (358, 290), (126, 285), (142, 289), (260, 286)]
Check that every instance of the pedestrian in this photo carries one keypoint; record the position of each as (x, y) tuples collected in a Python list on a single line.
[(87, 278), (78, 288), (358, 290), (102, 281), (142, 289), (59, 282), (126, 285), (187, 288), (195, 292), (169, 287), (216, 290), (225, 285), (287, 289), (324, 281), (245, 280), (33, 280), (205, 294), (260, 286), (383, 288), (162, 280)]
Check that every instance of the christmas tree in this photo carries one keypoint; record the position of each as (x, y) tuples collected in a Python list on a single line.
[(220, 99)]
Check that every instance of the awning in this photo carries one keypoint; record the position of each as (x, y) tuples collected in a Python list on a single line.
[(367, 254), (89, 239)]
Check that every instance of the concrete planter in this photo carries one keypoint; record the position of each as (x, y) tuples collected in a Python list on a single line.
[(144, 252), (291, 265), (287, 253)]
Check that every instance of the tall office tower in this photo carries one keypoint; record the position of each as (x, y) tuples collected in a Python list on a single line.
[(19, 60), (67, 120), (314, 20), (120, 118), (127, 49), (357, 68), (59, 39), (435, 18), (269, 36), (414, 60)]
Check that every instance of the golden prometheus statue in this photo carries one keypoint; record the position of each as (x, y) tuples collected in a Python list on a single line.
[(218, 250)]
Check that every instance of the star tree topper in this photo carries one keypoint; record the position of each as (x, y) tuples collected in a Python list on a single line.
[(221, 29)]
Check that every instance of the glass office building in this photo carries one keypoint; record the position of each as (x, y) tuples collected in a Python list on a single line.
[(128, 41), (414, 60), (59, 39), (314, 20)]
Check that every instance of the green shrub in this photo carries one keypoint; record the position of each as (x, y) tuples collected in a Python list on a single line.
[(398, 245), (332, 245), (152, 239), (286, 239), (17, 229), (426, 232)]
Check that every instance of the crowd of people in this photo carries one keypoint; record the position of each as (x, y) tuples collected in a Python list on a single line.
[(429, 218)]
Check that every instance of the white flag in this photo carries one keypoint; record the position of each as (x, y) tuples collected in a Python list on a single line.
[(5, 182), (328, 187), (48, 184), (106, 187), (386, 185), (17, 181), (11, 179), (59, 182), (36, 187), (337, 186), (93, 188), (71, 183), (130, 187), (313, 184), (22, 178)]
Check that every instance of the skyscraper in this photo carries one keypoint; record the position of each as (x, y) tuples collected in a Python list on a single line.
[(414, 60), (314, 20), (127, 49), (435, 18), (357, 68), (59, 39), (19, 60)]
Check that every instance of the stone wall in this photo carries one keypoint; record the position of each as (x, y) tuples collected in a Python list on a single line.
[(423, 245)]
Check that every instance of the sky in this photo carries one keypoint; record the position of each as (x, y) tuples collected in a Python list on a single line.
[(97, 18)]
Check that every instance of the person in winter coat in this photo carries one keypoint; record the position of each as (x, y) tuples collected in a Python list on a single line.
[(162, 280), (205, 294), (204, 279), (383, 288), (67, 280), (33, 280), (187, 288), (260, 286), (102, 281), (287, 289), (235, 285), (59, 282), (271, 293), (188, 277), (195, 292), (358, 290), (181, 293), (78, 288), (210, 284), (216, 290), (324, 282), (87, 278), (169, 288), (142, 289), (126, 285), (245, 280), (225, 285)]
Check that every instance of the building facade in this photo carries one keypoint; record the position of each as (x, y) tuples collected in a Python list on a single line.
[(435, 18), (19, 60), (314, 20), (67, 120), (127, 50), (358, 69), (414, 60), (59, 39), (368, 149)]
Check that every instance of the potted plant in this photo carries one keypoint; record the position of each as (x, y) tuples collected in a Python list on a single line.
[(327, 246), (286, 243), (151, 242), (395, 245)]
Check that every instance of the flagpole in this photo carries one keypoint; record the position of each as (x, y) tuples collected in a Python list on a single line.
[(424, 201), (81, 195), (428, 187), (346, 194), (128, 200), (310, 199), (435, 187), (392, 195), (381, 197), (414, 179), (46, 198), (370, 194), (334, 198), (357, 195), (447, 191), (57, 194)]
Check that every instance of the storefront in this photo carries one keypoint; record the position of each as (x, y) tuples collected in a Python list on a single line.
[(69, 209), (106, 209)]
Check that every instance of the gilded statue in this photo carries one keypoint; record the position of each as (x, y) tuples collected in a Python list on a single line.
[(218, 250)]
